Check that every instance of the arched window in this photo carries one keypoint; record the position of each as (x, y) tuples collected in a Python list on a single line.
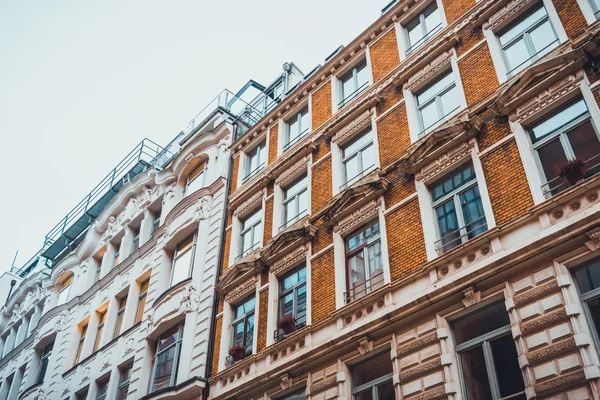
[(195, 180), (64, 289)]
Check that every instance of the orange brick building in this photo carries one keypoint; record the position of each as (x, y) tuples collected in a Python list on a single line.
[(398, 227)]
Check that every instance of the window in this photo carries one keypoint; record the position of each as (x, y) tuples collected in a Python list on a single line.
[(120, 314), (195, 180), (64, 289), (358, 158), (292, 298), (364, 266), (156, 221), (102, 389), (564, 136), (139, 314), (135, 243), (124, 382), (256, 160), (243, 325), (487, 355), (101, 320), (527, 39), (296, 128), (295, 201), (117, 256), (458, 209), (251, 233), (26, 326), (595, 7), (6, 348), (297, 395), (353, 82), (84, 329), (587, 278), (372, 379), (82, 395), (437, 103), (422, 27), (166, 359), (45, 359), (98, 271), (183, 259)]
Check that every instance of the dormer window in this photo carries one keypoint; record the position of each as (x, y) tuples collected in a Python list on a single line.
[(423, 27), (256, 160), (353, 82), (296, 128), (195, 180)]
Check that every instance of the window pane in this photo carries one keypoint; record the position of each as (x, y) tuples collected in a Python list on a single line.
[(585, 144), (140, 309), (473, 213), (516, 55), (249, 333), (481, 322), (164, 368), (357, 144), (295, 187), (543, 37), (451, 182), (475, 374), (374, 253), (365, 395), (429, 115), (301, 307), (356, 268), (122, 394), (362, 74), (196, 184), (520, 27), (508, 373), (168, 338), (303, 203), (181, 267), (348, 85), (594, 309), (415, 32), (552, 155), (368, 158), (371, 369), (184, 245), (447, 224), (435, 88), (351, 168), (432, 18), (251, 220), (450, 102), (386, 391), (558, 120), (587, 277), (245, 308), (355, 240), (288, 304)]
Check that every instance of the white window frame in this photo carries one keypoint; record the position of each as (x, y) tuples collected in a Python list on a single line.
[(281, 293), (402, 33), (521, 135), (176, 359), (436, 98), (590, 10), (287, 221), (428, 217), (494, 43), (178, 256), (244, 319), (412, 112), (240, 252), (66, 290), (120, 316), (304, 131), (124, 383), (247, 175), (336, 83), (201, 176), (102, 382)]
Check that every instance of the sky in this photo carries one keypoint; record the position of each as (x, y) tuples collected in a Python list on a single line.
[(82, 83)]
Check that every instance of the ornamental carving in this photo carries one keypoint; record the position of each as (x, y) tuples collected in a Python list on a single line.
[(129, 346), (595, 236), (512, 8), (191, 301), (106, 359), (426, 73), (471, 297), (286, 381), (146, 197), (289, 261), (292, 173), (364, 346), (324, 384), (241, 290), (85, 375), (357, 218), (111, 229), (444, 162), (353, 128), (249, 205)]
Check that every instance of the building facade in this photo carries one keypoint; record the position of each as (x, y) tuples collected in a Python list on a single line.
[(397, 226)]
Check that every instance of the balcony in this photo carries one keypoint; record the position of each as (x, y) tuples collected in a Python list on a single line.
[(279, 334), (559, 184)]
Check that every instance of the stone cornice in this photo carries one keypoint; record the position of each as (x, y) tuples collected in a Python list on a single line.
[(189, 200)]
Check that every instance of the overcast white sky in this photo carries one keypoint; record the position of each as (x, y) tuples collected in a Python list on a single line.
[(82, 82)]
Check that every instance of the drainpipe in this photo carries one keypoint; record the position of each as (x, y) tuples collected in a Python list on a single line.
[(12, 285), (213, 321)]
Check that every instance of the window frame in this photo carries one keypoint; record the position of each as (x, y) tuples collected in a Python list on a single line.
[(99, 383), (251, 229), (363, 248), (244, 320), (156, 220), (177, 257), (201, 175), (373, 385), (357, 153), (135, 241), (282, 293), (120, 316), (124, 383), (117, 255), (62, 288), (44, 361), (288, 221), (139, 313), (258, 149), (100, 329), (302, 132), (175, 367), (352, 74), (587, 297), (424, 130), (427, 35), (82, 336)]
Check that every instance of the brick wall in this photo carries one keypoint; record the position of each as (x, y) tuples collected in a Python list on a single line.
[(405, 238), (268, 225), (226, 249), (455, 8), (234, 173), (495, 128), (323, 278), (263, 313), (393, 135), (506, 182), (273, 137), (321, 184), (478, 75), (384, 55), (217, 350), (571, 17), (323, 238), (391, 95), (321, 105), (402, 186), (469, 37)]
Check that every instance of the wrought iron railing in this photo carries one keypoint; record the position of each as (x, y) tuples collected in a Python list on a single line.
[(439, 121), (461, 235), (357, 176), (244, 253), (363, 288), (253, 172), (530, 59), (354, 94), (296, 139), (279, 334), (292, 220), (424, 39), (559, 184)]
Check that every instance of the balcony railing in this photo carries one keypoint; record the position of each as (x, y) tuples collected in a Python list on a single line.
[(292, 220), (461, 235), (244, 253), (357, 177), (439, 121), (361, 289), (559, 184), (424, 39), (296, 139), (279, 334), (252, 173), (229, 361), (354, 94), (531, 59)]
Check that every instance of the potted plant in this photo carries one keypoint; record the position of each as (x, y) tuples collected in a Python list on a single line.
[(572, 170), (287, 324), (237, 352)]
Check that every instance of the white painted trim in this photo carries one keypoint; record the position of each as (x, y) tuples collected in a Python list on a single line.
[(482, 184), (339, 257), (587, 10), (385, 256), (427, 221), (320, 252), (401, 34), (320, 160), (528, 160), (390, 110)]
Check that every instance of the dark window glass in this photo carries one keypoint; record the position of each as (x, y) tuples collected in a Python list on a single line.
[(484, 321)]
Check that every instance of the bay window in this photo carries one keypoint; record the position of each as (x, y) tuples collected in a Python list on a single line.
[(487, 355), (295, 202), (372, 379), (437, 102), (166, 360), (527, 39), (296, 128), (242, 327), (358, 158), (563, 136), (353, 82), (458, 209), (292, 298), (422, 27), (183, 259), (256, 160), (364, 266), (251, 233)]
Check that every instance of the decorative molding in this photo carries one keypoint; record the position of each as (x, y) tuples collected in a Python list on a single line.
[(241, 290), (512, 8), (191, 301), (353, 128), (289, 261), (595, 236), (249, 205), (445, 161), (357, 218), (286, 381), (365, 345), (471, 297), (426, 73), (106, 359), (290, 174), (322, 385)]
